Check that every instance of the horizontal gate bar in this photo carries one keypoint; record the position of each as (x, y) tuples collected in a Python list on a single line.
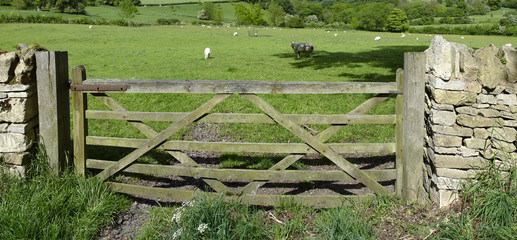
[(242, 174), (317, 201), (260, 87), (378, 148), (335, 119)]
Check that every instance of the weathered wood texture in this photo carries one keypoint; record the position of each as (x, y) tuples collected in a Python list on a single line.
[(54, 109), (399, 108), (413, 128), (79, 105), (243, 118), (219, 86), (320, 201), (241, 174), (376, 148)]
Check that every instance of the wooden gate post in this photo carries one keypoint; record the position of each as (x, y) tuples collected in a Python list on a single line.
[(413, 128), (54, 107)]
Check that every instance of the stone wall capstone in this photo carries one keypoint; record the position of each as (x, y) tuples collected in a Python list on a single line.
[(18, 108), (471, 113)]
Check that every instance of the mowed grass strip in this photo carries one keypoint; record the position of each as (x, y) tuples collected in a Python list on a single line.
[(176, 52)]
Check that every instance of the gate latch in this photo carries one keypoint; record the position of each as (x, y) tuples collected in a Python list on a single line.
[(98, 88)]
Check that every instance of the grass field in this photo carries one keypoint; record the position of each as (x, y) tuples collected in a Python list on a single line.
[(145, 15), (176, 52)]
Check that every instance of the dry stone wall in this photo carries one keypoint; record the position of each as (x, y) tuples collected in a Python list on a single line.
[(18, 108), (470, 115)]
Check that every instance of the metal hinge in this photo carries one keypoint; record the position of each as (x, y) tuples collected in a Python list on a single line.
[(98, 88)]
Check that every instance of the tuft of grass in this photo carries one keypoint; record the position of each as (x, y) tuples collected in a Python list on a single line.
[(43, 206), (343, 223), (204, 217)]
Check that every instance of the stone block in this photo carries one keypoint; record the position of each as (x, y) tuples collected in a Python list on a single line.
[(501, 107), (473, 86), (439, 106), (455, 173), (458, 162), (489, 113), (3, 95), (491, 71), (446, 150), (468, 152), (476, 143), (446, 140), (447, 197), (442, 58), (17, 171), (510, 54), (478, 121), (480, 106), (504, 146), (446, 118), (25, 72), (510, 123), (8, 62), (3, 127), (18, 110), (454, 85), (507, 99), (14, 142), (485, 98), (445, 183), (22, 158), (455, 130), (23, 127), (455, 98), (467, 110), (507, 134), (508, 115), (481, 133)]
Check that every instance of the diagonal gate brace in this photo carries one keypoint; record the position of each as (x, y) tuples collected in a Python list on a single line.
[(317, 145), (161, 137)]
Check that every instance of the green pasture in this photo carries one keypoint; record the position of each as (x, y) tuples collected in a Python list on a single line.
[(144, 2), (176, 52), (145, 15)]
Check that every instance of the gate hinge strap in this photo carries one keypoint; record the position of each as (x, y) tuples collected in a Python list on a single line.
[(98, 87)]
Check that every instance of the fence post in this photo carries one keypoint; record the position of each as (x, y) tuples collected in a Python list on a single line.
[(80, 126), (413, 128), (399, 110), (54, 107)]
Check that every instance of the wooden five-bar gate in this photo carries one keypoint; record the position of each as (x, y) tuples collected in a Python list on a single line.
[(408, 121)]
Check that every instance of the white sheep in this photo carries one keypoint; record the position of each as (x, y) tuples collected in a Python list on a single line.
[(377, 38), (508, 44), (207, 53), (403, 35), (335, 34), (235, 34), (462, 37), (91, 26)]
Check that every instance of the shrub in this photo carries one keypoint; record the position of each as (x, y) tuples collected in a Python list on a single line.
[(294, 22), (397, 21), (167, 21)]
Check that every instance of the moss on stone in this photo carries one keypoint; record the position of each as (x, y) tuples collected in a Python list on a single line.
[(37, 47)]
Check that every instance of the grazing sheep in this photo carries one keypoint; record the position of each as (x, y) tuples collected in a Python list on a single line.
[(403, 35), (207, 53), (377, 38), (235, 34), (302, 47), (508, 44), (91, 26), (335, 34)]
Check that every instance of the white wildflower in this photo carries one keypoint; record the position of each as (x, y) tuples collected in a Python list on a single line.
[(177, 233), (202, 227), (177, 216)]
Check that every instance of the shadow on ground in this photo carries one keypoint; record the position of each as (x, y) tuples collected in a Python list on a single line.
[(391, 57)]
